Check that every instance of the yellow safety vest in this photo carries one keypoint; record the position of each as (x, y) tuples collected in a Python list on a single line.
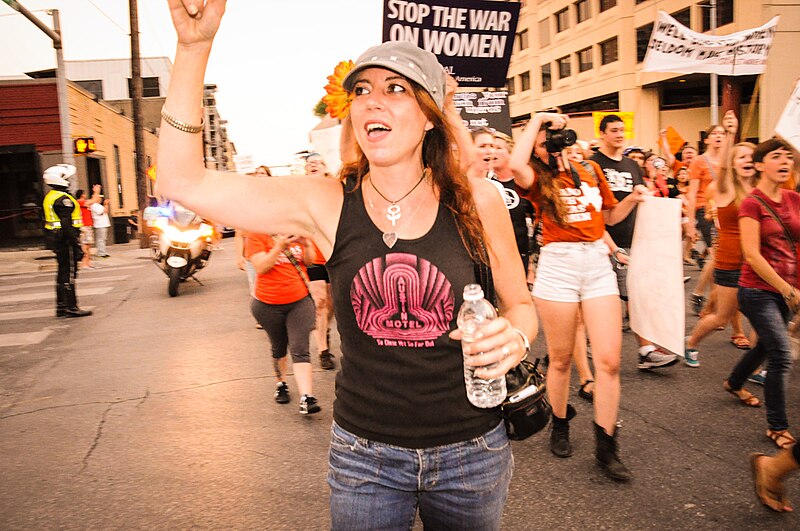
[(51, 220)]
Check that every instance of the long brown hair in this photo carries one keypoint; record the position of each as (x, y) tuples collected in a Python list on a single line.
[(548, 185), (455, 192), (729, 174)]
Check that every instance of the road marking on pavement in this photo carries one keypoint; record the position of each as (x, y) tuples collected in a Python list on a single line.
[(26, 297), (13, 277), (32, 314), (24, 338), (49, 283)]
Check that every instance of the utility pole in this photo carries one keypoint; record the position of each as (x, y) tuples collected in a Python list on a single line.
[(138, 134), (61, 78), (714, 89)]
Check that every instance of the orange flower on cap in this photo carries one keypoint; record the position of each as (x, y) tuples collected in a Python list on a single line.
[(337, 100)]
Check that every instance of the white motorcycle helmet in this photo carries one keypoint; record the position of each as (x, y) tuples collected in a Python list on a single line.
[(59, 175)]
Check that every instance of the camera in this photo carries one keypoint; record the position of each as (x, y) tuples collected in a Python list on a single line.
[(558, 139)]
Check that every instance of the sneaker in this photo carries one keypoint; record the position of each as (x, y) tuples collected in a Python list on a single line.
[(698, 301), (690, 357), (326, 360), (282, 393), (308, 405), (656, 359), (759, 378)]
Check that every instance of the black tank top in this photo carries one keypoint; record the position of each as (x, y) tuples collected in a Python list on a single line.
[(401, 380)]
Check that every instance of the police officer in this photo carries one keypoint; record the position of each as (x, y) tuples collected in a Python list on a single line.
[(62, 223)]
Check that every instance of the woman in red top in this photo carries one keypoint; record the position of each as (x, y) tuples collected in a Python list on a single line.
[(727, 194), (283, 307), (769, 222), (574, 275)]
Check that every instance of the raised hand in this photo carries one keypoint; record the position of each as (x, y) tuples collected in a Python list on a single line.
[(730, 123), (196, 21)]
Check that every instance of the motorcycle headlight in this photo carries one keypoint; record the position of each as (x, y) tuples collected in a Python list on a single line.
[(177, 235), (206, 230)]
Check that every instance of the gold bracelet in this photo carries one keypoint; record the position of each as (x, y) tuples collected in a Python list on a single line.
[(181, 126)]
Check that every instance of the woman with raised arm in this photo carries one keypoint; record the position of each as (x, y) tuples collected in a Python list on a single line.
[(402, 234), (574, 274), (735, 183)]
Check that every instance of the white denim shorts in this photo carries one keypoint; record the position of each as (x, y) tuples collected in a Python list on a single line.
[(574, 272)]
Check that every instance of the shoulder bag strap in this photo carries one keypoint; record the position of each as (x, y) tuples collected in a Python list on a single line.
[(299, 269), (776, 218)]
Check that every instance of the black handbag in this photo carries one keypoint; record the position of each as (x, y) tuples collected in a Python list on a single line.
[(526, 409)]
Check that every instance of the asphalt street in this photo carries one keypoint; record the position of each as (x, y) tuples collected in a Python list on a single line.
[(157, 413)]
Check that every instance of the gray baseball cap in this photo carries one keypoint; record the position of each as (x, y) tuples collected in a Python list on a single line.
[(408, 60)]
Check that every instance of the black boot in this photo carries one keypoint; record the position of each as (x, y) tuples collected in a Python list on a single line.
[(607, 456), (61, 301), (72, 303), (559, 438)]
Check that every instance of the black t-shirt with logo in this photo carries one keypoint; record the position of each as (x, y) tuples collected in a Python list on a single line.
[(519, 208), (622, 176)]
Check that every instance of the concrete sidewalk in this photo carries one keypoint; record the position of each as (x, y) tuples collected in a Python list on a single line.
[(14, 262)]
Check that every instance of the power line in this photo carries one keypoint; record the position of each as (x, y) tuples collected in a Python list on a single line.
[(124, 31)]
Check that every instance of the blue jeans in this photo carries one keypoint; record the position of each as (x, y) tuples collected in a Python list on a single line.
[(769, 315), (455, 486)]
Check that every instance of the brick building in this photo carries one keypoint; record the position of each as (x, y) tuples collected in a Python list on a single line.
[(30, 141)]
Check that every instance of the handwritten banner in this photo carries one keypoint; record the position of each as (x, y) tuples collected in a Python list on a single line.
[(473, 39), (675, 48)]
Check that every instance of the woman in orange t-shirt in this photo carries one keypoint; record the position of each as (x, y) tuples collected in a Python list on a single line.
[(283, 307), (575, 275)]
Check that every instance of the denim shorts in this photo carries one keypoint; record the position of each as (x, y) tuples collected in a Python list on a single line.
[(574, 272), (455, 486), (727, 279)]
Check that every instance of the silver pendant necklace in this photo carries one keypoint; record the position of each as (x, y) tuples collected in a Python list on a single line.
[(393, 212)]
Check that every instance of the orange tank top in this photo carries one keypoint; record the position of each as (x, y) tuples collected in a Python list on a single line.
[(729, 247)]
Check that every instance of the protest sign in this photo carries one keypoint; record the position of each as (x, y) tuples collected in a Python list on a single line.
[(674, 140), (472, 39), (789, 122), (655, 274), (675, 48), (627, 120), (484, 109)]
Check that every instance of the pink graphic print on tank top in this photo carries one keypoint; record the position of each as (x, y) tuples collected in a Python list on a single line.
[(402, 300)]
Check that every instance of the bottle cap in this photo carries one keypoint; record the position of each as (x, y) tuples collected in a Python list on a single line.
[(473, 292)]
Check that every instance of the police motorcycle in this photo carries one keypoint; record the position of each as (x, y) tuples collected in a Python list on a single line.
[(180, 242)]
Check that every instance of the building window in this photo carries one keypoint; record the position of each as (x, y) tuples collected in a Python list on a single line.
[(608, 51), (562, 20), (118, 169), (607, 102), (642, 40), (564, 67), (149, 87), (583, 10), (544, 32), (510, 86), (547, 78), (585, 59), (724, 13), (683, 16), (605, 5), (522, 40), (95, 86), (525, 81)]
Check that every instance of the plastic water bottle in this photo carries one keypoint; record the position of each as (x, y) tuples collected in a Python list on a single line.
[(474, 313)]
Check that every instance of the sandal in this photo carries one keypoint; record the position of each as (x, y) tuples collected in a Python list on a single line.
[(745, 397), (740, 342), (583, 393), (773, 499), (783, 439)]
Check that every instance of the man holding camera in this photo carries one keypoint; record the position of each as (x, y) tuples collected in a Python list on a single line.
[(623, 174)]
